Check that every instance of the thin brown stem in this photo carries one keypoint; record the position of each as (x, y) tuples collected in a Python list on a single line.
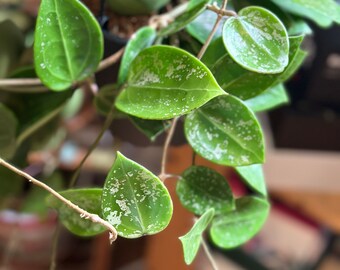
[(109, 61), (167, 143), (209, 255), (55, 243), (83, 213), (213, 31)]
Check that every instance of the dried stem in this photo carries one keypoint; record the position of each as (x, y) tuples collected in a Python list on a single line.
[(109, 61), (209, 255), (213, 31), (167, 143), (83, 213)]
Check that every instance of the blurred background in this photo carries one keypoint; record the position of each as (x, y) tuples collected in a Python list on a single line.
[(302, 168)]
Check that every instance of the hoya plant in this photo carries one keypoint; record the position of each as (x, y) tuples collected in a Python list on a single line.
[(211, 64)]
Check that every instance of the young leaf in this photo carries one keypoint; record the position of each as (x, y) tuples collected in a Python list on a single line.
[(181, 21), (192, 240), (8, 130), (323, 12), (201, 27), (165, 82), (226, 131), (201, 188), (135, 201), (241, 82), (237, 227), (142, 39), (87, 199), (271, 98), (257, 40), (253, 176), (150, 128), (68, 43)]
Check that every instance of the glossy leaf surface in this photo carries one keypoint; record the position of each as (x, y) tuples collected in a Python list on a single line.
[(235, 228), (87, 199), (165, 82), (135, 201), (192, 240), (142, 39), (253, 176), (271, 98), (184, 19), (323, 12), (225, 131), (257, 40), (243, 83), (8, 130), (68, 43), (201, 188)]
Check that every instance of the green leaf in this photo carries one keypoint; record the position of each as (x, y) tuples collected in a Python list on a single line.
[(192, 240), (8, 130), (253, 176), (105, 98), (68, 43), (201, 27), (323, 12), (87, 199), (243, 83), (237, 227), (165, 82), (10, 183), (201, 188), (257, 40), (225, 131), (271, 98), (150, 128), (299, 27), (184, 19), (74, 104), (135, 201), (142, 39)]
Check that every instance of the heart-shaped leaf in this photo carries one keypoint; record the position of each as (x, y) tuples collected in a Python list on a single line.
[(241, 82), (192, 240), (237, 227), (87, 199), (8, 130), (201, 188), (271, 98), (184, 19), (257, 40), (323, 12), (142, 39), (68, 43), (135, 201), (226, 131), (165, 82), (253, 176)]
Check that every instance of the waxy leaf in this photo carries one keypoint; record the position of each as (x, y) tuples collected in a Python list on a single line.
[(271, 98), (323, 12), (150, 128), (243, 83), (257, 40), (201, 188), (253, 176), (142, 39), (135, 201), (8, 130), (237, 227), (192, 240), (68, 43), (87, 199), (181, 21), (201, 27), (165, 82), (226, 131)]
